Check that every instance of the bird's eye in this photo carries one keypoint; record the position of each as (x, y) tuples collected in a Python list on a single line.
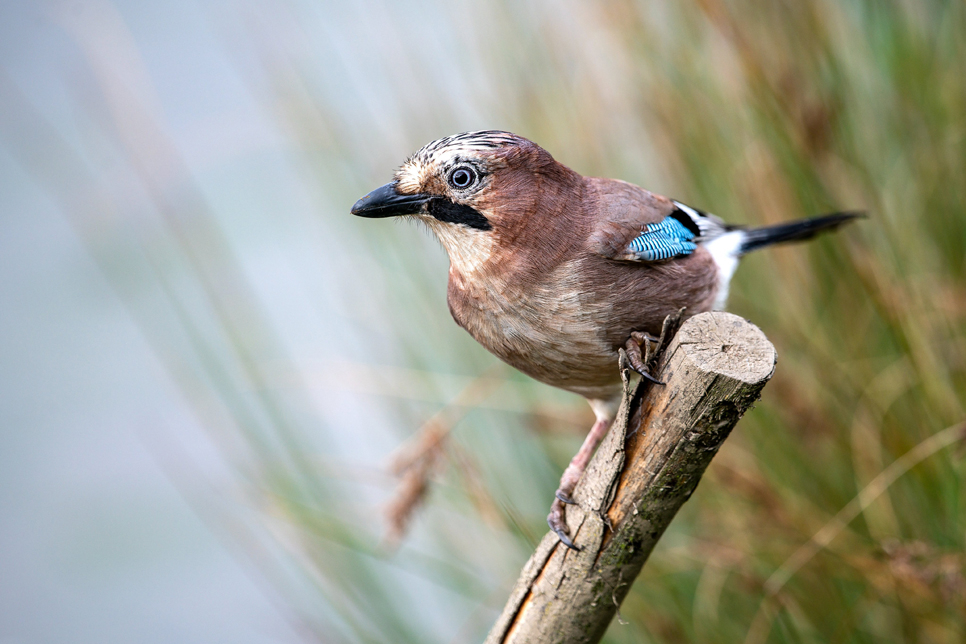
[(462, 177)]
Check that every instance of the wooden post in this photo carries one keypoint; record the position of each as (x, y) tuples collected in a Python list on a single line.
[(715, 367)]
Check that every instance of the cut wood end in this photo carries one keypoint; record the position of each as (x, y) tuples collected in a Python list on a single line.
[(725, 343)]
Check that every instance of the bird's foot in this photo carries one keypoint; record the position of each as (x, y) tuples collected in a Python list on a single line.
[(636, 359), (557, 520), (568, 481)]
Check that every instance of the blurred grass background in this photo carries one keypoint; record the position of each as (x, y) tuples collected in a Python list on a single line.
[(207, 155)]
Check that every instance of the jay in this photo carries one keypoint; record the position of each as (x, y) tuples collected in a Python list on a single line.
[(554, 272)]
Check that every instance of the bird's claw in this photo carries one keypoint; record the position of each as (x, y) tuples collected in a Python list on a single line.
[(563, 496), (558, 524), (644, 374), (634, 357)]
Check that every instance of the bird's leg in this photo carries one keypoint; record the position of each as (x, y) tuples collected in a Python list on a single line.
[(634, 356), (571, 475), (605, 415)]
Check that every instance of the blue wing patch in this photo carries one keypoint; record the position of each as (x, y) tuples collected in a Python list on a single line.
[(663, 240)]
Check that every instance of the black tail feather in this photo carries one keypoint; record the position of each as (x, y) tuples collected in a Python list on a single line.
[(801, 230)]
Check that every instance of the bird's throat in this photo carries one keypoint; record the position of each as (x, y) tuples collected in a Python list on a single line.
[(469, 249)]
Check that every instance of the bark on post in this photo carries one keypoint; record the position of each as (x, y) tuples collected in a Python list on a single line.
[(715, 367)]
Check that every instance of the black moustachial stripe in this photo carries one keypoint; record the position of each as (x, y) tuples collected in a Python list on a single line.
[(454, 213), (687, 221)]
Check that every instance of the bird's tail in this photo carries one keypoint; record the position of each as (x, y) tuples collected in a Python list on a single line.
[(755, 238)]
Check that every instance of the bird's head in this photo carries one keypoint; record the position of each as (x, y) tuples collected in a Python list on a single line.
[(480, 192)]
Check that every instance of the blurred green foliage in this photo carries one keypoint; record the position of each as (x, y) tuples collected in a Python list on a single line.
[(759, 112)]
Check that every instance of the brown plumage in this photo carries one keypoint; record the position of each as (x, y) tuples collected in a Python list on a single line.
[(545, 271)]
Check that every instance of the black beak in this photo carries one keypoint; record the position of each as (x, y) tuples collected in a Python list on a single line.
[(386, 202)]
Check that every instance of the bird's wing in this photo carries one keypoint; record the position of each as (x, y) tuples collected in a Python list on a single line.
[(632, 224)]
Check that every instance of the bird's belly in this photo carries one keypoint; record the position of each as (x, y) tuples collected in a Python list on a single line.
[(551, 335)]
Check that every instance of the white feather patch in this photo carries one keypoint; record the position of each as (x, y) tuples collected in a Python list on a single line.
[(709, 226), (725, 250)]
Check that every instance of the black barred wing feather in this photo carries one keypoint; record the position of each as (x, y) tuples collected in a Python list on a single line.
[(666, 239)]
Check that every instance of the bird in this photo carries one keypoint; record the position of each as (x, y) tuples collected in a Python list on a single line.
[(554, 272)]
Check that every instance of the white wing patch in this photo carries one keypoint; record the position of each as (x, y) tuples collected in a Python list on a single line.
[(708, 225)]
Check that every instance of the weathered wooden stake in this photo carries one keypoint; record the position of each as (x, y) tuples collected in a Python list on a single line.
[(715, 368)]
